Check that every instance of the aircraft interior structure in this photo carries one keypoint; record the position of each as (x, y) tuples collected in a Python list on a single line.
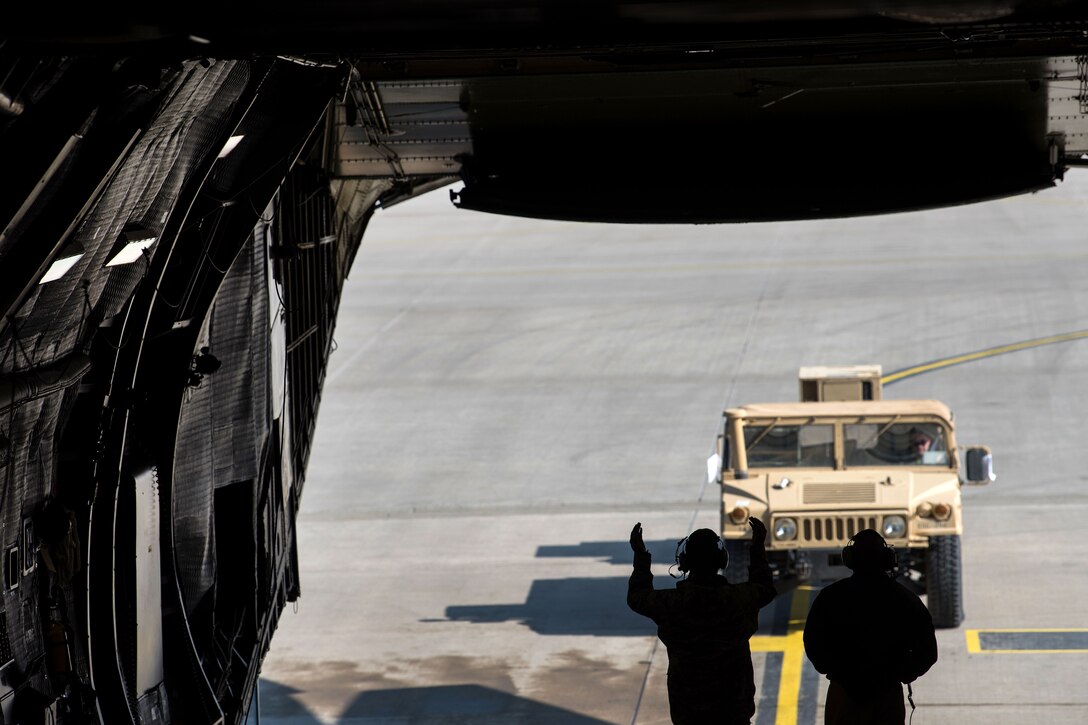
[(186, 187)]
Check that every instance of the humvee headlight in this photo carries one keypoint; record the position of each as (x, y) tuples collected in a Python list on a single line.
[(894, 527), (739, 515), (942, 511), (785, 529)]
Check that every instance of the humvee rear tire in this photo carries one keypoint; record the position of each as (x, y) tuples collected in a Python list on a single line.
[(739, 556), (944, 581)]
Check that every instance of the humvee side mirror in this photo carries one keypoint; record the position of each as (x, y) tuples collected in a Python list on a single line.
[(717, 461), (713, 468), (980, 466)]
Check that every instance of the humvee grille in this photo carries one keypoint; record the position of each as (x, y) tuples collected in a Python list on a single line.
[(834, 529), (839, 493)]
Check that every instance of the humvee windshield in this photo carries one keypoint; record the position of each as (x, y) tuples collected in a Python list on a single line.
[(864, 444), (908, 444), (790, 446)]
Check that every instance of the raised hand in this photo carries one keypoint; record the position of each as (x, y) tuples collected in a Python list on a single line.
[(637, 545), (759, 531)]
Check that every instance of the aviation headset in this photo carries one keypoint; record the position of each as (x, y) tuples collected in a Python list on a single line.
[(864, 550), (683, 558)]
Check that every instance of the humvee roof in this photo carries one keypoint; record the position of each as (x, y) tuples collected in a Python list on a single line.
[(839, 409)]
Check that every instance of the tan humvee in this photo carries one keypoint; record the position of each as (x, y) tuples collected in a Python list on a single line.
[(843, 460)]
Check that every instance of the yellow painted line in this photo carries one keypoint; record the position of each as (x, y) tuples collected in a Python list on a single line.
[(981, 354), (768, 643), (792, 645), (974, 645)]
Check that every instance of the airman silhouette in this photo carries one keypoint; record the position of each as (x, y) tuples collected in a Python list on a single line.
[(870, 635), (705, 624)]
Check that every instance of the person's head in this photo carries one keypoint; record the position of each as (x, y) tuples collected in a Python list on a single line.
[(920, 441), (868, 552), (703, 552)]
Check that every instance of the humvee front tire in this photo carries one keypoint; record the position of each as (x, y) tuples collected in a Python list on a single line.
[(739, 557), (944, 581)]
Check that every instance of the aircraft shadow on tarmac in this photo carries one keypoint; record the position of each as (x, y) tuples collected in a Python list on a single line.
[(581, 605), (614, 552), (421, 706), (279, 705), (577, 606)]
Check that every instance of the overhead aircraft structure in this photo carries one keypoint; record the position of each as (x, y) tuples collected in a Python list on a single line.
[(185, 187)]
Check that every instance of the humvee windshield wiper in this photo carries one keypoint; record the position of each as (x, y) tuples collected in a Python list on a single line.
[(763, 435), (890, 423)]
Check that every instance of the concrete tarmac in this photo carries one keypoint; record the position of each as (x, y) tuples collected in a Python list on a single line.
[(509, 396)]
